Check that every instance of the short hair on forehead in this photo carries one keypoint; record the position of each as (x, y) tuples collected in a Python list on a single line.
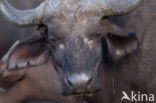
[(75, 26)]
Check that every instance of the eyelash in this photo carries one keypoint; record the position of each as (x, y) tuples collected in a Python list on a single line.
[(95, 36), (54, 41)]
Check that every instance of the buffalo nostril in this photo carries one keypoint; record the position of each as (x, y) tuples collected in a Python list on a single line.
[(68, 81), (79, 79), (90, 80)]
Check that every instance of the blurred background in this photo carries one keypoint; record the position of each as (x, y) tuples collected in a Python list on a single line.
[(8, 33)]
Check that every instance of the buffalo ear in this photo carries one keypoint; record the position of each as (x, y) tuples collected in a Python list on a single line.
[(121, 46), (29, 53)]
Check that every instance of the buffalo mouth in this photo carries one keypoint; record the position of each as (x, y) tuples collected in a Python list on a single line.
[(82, 94)]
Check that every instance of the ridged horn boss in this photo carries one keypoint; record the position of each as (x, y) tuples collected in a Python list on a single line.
[(25, 18)]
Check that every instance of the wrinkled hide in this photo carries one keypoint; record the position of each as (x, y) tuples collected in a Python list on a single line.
[(122, 58)]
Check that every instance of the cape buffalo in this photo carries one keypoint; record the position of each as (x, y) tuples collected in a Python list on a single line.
[(81, 54)]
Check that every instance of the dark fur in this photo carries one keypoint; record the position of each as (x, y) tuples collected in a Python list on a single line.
[(135, 71)]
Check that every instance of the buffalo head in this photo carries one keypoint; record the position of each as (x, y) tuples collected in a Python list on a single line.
[(75, 35)]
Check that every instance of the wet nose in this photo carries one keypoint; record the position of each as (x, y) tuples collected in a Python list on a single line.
[(79, 80), (84, 83)]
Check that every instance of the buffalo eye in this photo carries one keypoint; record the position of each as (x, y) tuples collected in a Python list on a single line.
[(95, 36), (56, 42)]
